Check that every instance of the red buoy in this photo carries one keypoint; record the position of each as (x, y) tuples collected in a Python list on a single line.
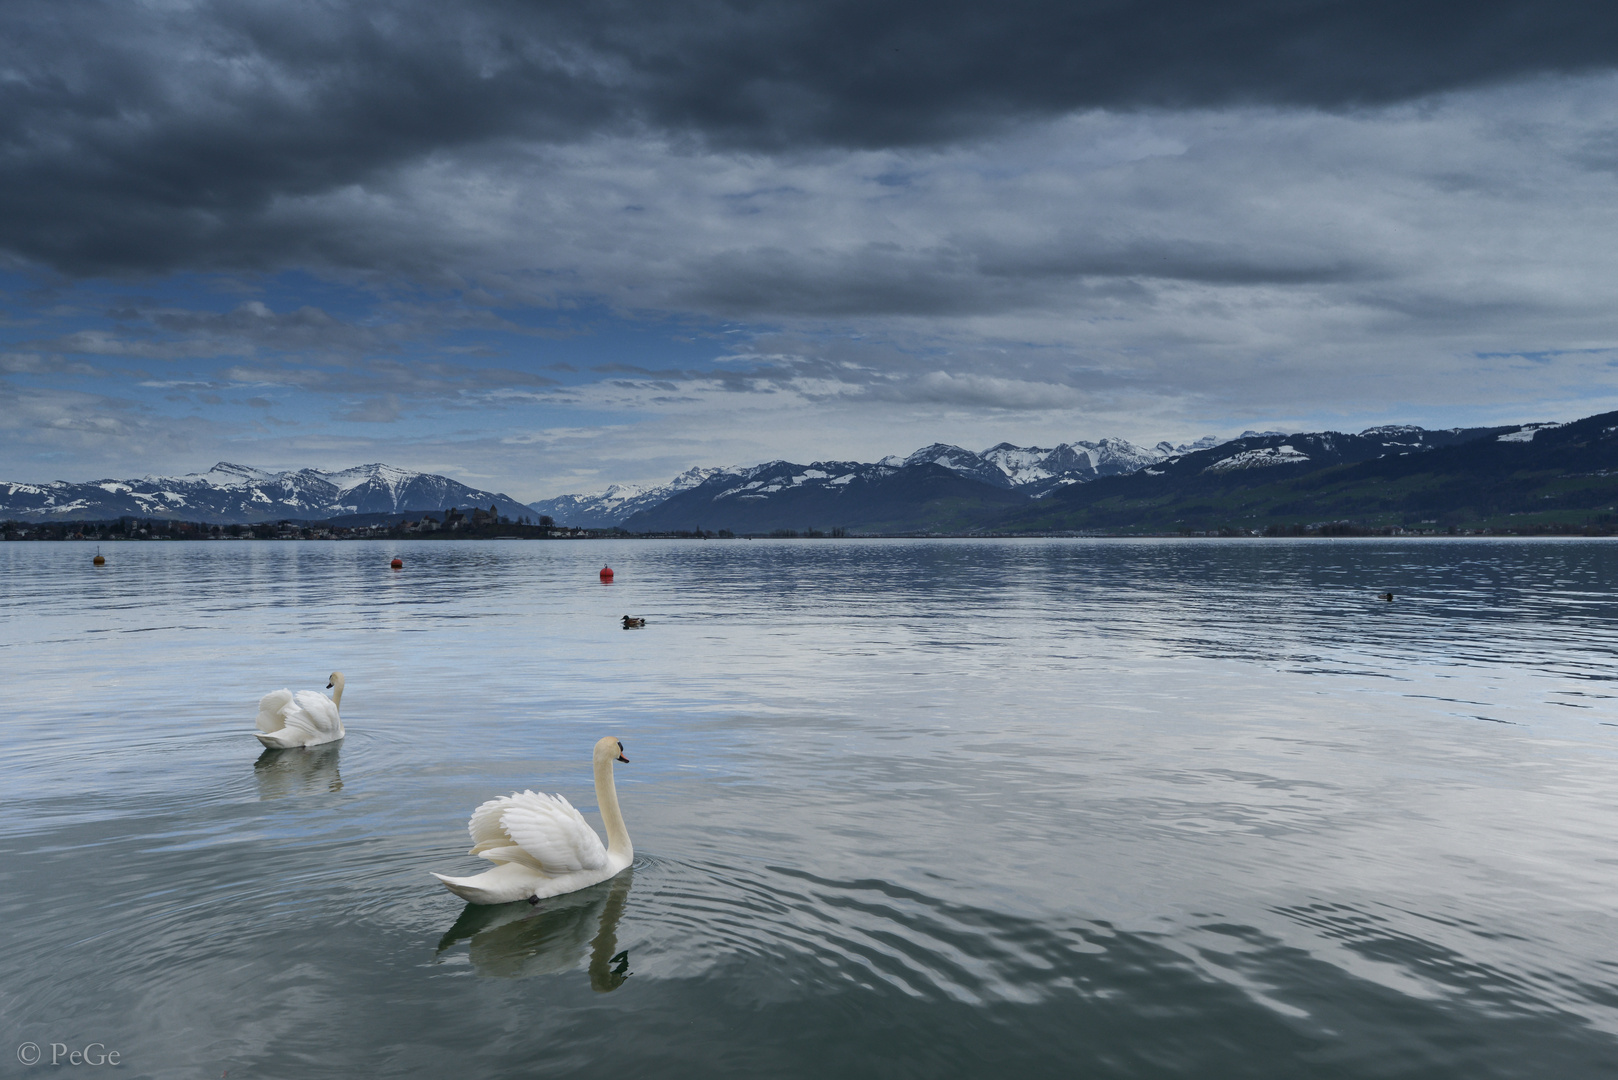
[(606, 574), (398, 564)]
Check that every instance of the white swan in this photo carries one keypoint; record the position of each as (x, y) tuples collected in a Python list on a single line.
[(541, 846), (307, 718)]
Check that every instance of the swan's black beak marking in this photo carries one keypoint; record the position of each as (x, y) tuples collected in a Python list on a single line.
[(330, 685), (621, 754)]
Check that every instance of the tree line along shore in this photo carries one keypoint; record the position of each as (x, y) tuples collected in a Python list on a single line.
[(494, 527)]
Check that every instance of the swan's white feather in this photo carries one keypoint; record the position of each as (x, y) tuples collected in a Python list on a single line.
[(510, 853), (550, 830), (545, 828), (485, 824), (501, 885), (270, 708), (306, 718), (315, 711)]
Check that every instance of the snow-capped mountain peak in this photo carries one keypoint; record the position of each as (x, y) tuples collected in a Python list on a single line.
[(225, 474), (347, 480), (606, 508), (962, 461), (1039, 470)]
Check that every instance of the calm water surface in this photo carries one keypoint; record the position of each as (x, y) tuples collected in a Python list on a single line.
[(900, 809)]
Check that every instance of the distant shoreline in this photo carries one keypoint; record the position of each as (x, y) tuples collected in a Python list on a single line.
[(148, 530)]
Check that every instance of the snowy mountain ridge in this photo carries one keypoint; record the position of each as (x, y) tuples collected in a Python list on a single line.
[(1034, 471), (604, 509), (230, 493)]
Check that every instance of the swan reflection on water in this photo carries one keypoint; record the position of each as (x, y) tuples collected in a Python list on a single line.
[(515, 941), (298, 771)]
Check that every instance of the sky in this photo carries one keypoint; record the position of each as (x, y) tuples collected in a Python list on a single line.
[(546, 247)]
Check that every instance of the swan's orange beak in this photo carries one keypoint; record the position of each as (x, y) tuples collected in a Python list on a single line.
[(623, 759)]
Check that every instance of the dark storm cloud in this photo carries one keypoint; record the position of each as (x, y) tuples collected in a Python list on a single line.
[(883, 74), (155, 137)]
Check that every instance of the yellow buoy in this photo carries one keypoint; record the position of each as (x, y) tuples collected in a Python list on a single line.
[(99, 560)]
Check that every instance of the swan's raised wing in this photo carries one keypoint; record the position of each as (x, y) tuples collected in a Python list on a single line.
[(555, 834), (311, 713), (485, 824), (543, 830), (270, 710)]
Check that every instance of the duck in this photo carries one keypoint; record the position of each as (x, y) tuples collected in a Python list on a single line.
[(541, 846), (307, 718), (631, 623), (1385, 596)]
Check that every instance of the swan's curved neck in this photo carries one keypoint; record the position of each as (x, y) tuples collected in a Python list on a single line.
[(607, 798), (337, 694)]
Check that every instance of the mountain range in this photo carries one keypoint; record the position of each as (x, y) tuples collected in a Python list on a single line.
[(1511, 476), (1032, 470), (1517, 477), (230, 494), (1506, 477)]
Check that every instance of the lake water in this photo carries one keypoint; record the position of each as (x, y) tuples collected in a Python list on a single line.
[(900, 808)]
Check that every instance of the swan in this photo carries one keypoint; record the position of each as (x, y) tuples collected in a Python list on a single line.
[(541, 846), (307, 718)]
